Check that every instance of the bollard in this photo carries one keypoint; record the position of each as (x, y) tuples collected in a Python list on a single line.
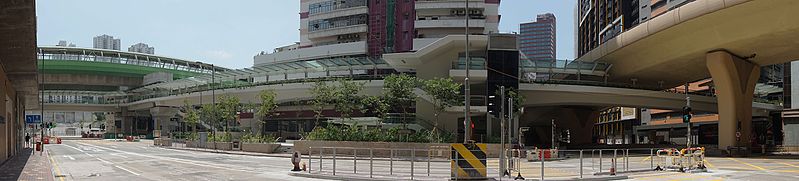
[(542, 164), (334, 160), (600, 160), (391, 163), (413, 155), (309, 160), (428, 162), (320, 158), (371, 166), (612, 163), (651, 159), (355, 160), (581, 163), (627, 160)]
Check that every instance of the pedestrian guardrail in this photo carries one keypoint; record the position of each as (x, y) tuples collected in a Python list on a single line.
[(464, 162)]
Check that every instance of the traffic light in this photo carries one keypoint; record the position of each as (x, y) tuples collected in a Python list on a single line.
[(494, 105), (686, 114)]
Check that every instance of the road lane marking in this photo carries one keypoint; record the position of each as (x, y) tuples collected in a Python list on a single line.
[(88, 154), (184, 161), (70, 157), (792, 165), (119, 155), (74, 148), (748, 164), (134, 173), (55, 166), (708, 164), (646, 158), (107, 162)]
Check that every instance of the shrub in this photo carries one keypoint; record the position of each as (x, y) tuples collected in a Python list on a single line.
[(253, 138), (356, 133)]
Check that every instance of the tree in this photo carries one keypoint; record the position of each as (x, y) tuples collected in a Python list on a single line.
[(444, 91), (515, 97), (322, 97), (191, 116), (228, 107), (346, 98), (267, 106), (398, 92)]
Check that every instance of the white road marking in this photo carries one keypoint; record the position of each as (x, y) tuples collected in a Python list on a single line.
[(88, 154), (74, 148), (184, 161), (107, 162), (70, 157), (134, 173), (119, 155)]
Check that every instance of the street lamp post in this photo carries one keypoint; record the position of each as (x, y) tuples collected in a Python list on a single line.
[(41, 90), (467, 121)]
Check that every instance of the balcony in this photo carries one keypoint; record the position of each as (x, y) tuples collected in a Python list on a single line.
[(360, 28), (454, 22), (343, 49), (447, 4), (477, 70)]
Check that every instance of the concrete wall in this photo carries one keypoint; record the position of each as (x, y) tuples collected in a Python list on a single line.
[(354, 48), (11, 123), (259, 147)]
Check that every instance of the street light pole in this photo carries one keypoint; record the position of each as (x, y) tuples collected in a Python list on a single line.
[(213, 101), (467, 121), (41, 90), (553, 134)]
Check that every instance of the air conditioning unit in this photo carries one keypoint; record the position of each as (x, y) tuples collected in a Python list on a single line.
[(461, 12)]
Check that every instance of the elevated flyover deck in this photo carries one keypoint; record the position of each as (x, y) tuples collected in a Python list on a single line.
[(672, 47)]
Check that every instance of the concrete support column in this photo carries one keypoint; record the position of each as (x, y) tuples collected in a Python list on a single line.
[(735, 79), (161, 119)]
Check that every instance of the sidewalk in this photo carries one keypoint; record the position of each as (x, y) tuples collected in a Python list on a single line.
[(28, 165)]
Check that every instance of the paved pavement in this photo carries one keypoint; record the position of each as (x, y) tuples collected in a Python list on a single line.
[(110, 160), (28, 165)]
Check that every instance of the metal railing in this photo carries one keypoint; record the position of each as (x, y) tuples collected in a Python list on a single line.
[(398, 162), (435, 162)]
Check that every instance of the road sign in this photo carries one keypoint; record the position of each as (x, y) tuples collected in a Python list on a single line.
[(33, 118)]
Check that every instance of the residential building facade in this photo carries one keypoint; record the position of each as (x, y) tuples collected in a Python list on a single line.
[(142, 48), (106, 42)]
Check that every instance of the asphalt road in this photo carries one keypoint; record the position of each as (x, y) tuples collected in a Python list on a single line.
[(110, 160)]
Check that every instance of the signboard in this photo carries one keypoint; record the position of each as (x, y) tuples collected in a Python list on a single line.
[(30, 119)]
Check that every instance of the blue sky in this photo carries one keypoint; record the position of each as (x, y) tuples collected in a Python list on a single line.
[(227, 33)]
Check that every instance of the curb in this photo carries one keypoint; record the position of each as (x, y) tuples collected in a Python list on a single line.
[(622, 172), (331, 177), (226, 152)]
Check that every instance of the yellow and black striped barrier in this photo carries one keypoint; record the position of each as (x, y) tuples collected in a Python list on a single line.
[(468, 161)]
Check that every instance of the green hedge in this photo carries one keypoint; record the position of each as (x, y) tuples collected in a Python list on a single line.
[(356, 133)]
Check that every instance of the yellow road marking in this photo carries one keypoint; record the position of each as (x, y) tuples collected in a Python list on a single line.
[(753, 166), (708, 164), (646, 158), (789, 164), (55, 165), (792, 171)]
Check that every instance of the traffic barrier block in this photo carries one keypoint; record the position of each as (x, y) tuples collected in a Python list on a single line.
[(468, 161)]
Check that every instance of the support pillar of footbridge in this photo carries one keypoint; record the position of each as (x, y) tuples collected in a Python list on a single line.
[(735, 79), (161, 119)]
